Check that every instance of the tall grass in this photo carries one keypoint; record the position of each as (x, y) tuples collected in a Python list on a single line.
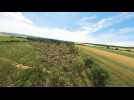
[(52, 63)]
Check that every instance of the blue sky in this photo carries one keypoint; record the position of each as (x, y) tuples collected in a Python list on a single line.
[(67, 20), (114, 28)]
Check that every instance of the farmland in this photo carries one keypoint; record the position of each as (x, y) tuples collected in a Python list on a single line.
[(67, 49), (41, 62), (32, 61), (118, 50), (119, 65)]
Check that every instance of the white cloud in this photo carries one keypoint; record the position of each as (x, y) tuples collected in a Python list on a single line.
[(87, 23), (121, 43), (87, 19), (117, 33), (118, 37), (126, 30), (15, 16), (110, 21), (20, 24), (111, 36), (93, 26)]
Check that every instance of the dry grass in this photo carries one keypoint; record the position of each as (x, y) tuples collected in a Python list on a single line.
[(116, 57), (21, 66), (120, 67)]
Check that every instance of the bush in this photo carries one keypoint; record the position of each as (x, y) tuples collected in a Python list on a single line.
[(78, 64), (31, 77), (88, 62), (99, 76), (107, 47), (128, 50), (116, 49)]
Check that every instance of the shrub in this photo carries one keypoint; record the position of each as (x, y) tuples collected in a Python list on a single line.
[(31, 77), (88, 62), (116, 48), (57, 81), (107, 47), (128, 50), (99, 76), (78, 64)]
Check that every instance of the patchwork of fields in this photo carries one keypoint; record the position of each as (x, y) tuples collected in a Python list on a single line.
[(118, 65)]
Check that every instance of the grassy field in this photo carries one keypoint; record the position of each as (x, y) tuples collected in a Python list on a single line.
[(41, 62), (122, 51), (11, 39), (119, 66)]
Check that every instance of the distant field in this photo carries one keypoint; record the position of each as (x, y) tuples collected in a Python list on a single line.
[(122, 51), (44, 62), (10, 38), (119, 66)]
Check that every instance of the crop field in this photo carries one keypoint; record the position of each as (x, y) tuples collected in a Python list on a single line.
[(118, 63), (122, 51)]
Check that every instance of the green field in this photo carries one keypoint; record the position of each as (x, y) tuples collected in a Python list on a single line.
[(32, 61), (122, 51), (41, 62), (11, 39), (119, 66)]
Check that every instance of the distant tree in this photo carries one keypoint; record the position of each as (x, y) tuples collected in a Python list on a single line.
[(116, 48), (128, 50), (107, 47)]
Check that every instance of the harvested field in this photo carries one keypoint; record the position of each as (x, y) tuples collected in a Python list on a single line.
[(120, 67)]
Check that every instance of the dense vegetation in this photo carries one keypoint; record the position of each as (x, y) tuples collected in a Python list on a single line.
[(118, 68), (44, 62)]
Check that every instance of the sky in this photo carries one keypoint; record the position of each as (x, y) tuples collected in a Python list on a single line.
[(112, 28)]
